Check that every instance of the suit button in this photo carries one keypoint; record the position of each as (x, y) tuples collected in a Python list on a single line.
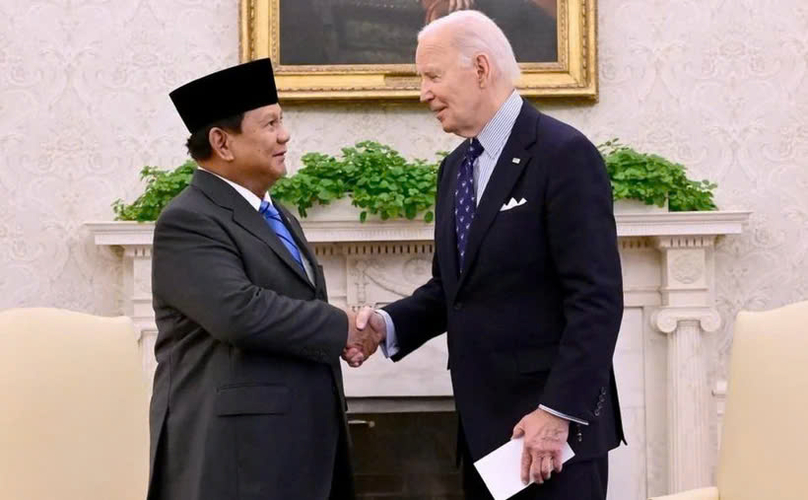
[(597, 412), (458, 306)]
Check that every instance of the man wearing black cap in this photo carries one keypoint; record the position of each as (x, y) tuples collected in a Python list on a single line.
[(248, 401)]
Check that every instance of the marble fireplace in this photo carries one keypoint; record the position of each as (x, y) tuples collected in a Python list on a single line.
[(670, 413)]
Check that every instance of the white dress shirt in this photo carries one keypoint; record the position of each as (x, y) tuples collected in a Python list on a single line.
[(255, 202), (493, 138)]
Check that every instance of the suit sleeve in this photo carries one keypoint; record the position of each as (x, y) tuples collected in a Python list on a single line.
[(421, 316), (198, 271), (582, 239)]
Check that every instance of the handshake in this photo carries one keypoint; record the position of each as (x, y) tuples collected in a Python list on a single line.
[(366, 330)]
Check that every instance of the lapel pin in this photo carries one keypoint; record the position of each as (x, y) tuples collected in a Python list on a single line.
[(516, 161)]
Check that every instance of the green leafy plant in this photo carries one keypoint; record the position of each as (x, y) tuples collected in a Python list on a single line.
[(380, 181), (377, 178), (161, 187), (653, 179)]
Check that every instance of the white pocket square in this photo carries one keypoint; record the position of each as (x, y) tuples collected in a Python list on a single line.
[(513, 204)]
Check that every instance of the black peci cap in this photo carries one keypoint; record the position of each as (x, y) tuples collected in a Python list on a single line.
[(225, 93)]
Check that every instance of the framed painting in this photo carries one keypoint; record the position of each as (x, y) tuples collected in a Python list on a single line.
[(364, 49)]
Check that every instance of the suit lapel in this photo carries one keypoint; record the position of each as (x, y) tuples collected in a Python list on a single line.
[(502, 181), (246, 216), (301, 241), (446, 230)]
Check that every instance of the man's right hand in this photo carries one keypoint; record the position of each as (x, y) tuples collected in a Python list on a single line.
[(366, 330)]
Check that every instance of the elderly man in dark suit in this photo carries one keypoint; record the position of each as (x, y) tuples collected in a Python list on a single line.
[(248, 401), (526, 277)]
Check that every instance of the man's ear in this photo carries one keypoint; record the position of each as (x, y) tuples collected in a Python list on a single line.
[(220, 144), (482, 68)]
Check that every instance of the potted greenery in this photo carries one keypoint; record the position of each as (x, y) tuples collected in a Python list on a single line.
[(370, 176), (372, 180), (649, 180), (161, 187)]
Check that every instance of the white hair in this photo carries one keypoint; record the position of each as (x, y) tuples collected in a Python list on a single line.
[(473, 33)]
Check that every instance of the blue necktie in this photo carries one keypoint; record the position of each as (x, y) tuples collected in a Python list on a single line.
[(275, 222), (465, 198)]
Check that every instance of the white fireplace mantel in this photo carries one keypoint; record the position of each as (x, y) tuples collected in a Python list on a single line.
[(669, 287), (125, 234)]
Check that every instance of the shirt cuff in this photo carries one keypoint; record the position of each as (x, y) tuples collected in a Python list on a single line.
[(390, 346), (561, 415)]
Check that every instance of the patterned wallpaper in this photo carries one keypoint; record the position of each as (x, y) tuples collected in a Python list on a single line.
[(715, 84)]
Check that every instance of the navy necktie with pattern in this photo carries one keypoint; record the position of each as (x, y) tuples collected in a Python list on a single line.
[(273, 219), (465, 198)]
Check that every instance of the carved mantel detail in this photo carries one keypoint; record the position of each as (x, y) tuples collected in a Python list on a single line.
[(687, 313), (666, 320)]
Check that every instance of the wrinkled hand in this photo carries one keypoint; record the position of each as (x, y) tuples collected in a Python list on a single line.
[(545, 435), (460, 5), (366, 330)]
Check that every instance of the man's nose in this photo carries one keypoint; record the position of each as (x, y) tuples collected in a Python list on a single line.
[(426, 93), (283, 135)]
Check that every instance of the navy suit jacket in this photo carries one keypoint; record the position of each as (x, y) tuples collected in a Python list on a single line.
[(534, 315)]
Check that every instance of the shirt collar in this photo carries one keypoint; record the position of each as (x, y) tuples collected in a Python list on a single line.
[(248, 195), (496, 132)]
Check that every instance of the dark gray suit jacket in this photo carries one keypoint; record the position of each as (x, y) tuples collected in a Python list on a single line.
[(248, 401)]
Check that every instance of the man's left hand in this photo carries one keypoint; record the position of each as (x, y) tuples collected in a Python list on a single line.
[(545, 435)]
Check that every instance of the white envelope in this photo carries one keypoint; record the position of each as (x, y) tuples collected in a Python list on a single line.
[(501, 469)]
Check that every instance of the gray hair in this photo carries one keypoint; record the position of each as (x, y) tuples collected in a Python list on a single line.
[(475, 33)]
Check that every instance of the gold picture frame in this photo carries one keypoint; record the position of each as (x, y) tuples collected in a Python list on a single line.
[(572, 74)]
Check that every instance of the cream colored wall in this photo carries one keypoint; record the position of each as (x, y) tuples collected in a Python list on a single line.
[(715, 84)]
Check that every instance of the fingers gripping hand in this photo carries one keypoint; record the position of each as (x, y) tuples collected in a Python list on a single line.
[(366, 331)]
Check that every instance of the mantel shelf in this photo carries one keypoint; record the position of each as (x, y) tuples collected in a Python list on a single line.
[(341, 231)]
